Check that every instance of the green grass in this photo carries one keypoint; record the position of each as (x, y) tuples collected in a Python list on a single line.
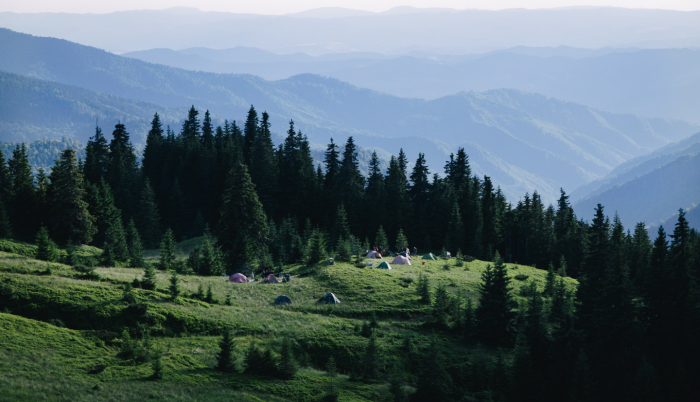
[(39, 361)]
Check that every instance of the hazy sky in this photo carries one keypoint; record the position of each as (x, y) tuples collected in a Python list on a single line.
[(291, 6)]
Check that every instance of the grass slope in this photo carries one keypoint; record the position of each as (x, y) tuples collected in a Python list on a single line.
[(41, 361)]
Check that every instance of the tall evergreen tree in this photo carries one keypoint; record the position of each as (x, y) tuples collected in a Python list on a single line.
[(155, 156), (243, 224), (225, 359), (96, 157), (263, 166), (45, 247), (122, 170), (341, 229), (133, 241), (22, 217), (191, 126), (332, 164), (70, 218), (250, 132), (168, 251), (372, 359), (115, 247), (149, 219), (380, 240), (350, 186), (495, 311), (207, 131)]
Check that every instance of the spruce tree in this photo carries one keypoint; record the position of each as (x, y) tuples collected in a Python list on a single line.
[(401, 241), (550, 281), (455, 234), (263, 166), (5, 227), (332, 164), (288, 366), (22, 217), (46, 248), (435, 382), (155, 156), (242, 227), (115, 247), (331, 372), (423, 289), (372, 360), (96, 157), (350, 185), (440, 313), (469, 329), (210, 260), (250, 132), (149, 278), (316, 248), (225, 359), (174, 285), (133, 241), (148, 217), (122, 170), (70, 218), (495, 311), (168, 251), (380, 240), (340, 226)]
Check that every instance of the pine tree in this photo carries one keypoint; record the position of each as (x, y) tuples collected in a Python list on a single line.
[(494, 313), (440, 313), (340, 226), (148, 217), (380, 240), (243, 224), (149, 278), (191, 126), (168, 251), (372, 360), (332, 164), (122, 170), (350, 185), (288, 366), (263, 166), (70, 218), (46, 248), (96, 157), (210, 260), (155, 156), (174, 285), (225, 359), (316, 248), (423, 289), (22, 217), (435, 383), (250, 132), (550, 281), (133, 241), (562, 267), (401, 241), (5, 194)]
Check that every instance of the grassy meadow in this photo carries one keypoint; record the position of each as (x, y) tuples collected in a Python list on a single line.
[(61, 329)]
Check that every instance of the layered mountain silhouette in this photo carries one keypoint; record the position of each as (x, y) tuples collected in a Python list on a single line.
[(526, 142)]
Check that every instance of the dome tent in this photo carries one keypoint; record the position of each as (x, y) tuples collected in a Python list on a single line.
[(282, 300), (238, 278), (384, 265), (329, 298), (401, 260), (430, 256), (271, 279), (373, 254)]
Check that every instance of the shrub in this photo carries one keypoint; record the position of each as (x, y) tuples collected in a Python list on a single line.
[(521, 277)]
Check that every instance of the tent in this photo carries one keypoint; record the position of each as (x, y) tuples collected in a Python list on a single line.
[(384, 265), (401, 260), (238, 278), (329, 298), (374, 254), (330, 261), (282, 300), (430, 256), (271, 279)]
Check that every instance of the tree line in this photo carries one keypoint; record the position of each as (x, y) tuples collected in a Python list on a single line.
[(628, 332)]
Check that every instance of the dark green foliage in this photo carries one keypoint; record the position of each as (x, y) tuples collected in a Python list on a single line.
[(174, 285), (469, 328), (209, 298), (550, 281), (168, 251), (243, 224), (5, 226), (316, 248), (343, 252), (157, 366), (423, 289), (380, 240), (148, 217), (401, 241), (46, 248), (23, 198), (115, 247), (372, 360), (149, 278), (259, 362), (206, 259), (225, 359), (440, 313), (435, 382), (287, 366), (340, 227), (133, 241), (495, 311), (122, 170), (332, 373)]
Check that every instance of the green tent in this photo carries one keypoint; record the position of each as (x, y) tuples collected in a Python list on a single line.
[(430, 256), (384, 265)]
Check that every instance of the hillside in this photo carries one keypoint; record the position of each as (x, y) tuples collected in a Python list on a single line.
[(651, 197), (83, 359), (524, 141), (664, 82)]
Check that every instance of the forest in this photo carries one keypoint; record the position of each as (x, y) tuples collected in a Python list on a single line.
[(616, 316)]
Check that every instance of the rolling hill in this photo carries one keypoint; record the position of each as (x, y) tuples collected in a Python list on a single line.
[(524, 141)]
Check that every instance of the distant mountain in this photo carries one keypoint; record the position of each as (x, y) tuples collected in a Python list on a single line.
[(651, 191), (524, 141), (658, 82), (692, 215), (340, 30)]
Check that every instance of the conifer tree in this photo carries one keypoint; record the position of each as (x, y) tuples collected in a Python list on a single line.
[(174, 285), (225, 359), (207, 131), (372, 360), (550, 281), (435, 383), (243, 225), (250, 132), (5, 227), (176, 210), (115, 247), (168, 251), (331, 372), (70, 218), (332, 163), (494, 313), (122, 170), (5, 181), (455, 229), (288, 366), (210, 262), (374, 193), (191, 126), (149, 278), (562, 267), (340, 225), (133, 241), (148, 217), (43, 197), (423, 289), (350, 185), (469, 322), (22, 217), (46, 248), (380, 240), (263, 166), (155, 156), (316, 248), (440, 313), (401, 241), (96, 157)]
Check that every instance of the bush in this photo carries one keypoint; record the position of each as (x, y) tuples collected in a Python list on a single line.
[(521, 277)]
